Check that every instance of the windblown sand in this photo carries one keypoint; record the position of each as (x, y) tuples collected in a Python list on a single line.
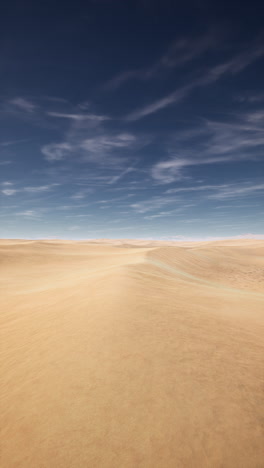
[(132, 354)]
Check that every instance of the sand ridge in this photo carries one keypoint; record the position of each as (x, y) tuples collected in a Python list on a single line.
[(132, 353)]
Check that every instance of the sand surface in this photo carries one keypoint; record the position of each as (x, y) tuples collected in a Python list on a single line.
[(132, 354)]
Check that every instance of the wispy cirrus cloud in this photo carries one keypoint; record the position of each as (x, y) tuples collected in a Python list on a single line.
[(213, 74), (87, 138), (178, 54), (40, 188), (29, 214), (6, 183), (7, 188), (236, 191), (229, 194), (79, 117), (9, 192), (156, 203), (162, 214), (120, 176), (171, 170), (213, 142), (102, 144), (13, 142), (57, 151), (82, 193), (100, 148), (23, 104), (94, 144), (221, 191), (50, 113), (236, 137), (251, 98), (196, 188)]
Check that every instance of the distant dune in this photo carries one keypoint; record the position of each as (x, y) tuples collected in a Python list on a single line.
[(127, 354)]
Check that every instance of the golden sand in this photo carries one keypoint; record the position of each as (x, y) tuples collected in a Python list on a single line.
[(132, 354)]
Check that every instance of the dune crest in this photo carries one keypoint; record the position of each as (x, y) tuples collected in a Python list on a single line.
[(132, 354)]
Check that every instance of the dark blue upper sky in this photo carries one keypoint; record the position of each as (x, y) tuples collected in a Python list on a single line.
[(131, 119)]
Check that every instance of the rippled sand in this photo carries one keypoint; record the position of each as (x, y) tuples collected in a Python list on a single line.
[(132, 354)]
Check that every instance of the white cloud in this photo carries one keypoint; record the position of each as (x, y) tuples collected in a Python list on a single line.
[(231, 67), (9, 192), (172, 98), (250, 98), (13, 142), (37, 189), (239, 62), (82, 193), (235, 137), (32, 214), (40, 188), (23, 104), (195, 188), (104, 143), (162, 214), (237, 191), (155, 203), (169, 171), (222, 191), (102, 148), (57, 151), (119, 176), (78, 117), (178, 54), (213, 143), (7, 183)]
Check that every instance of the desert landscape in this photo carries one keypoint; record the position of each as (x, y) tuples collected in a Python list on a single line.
[(132, 354)]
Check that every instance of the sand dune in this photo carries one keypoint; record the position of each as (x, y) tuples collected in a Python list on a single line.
[(132, 354)]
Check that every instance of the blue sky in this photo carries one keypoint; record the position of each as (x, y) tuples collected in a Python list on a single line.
[(130, 119)]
